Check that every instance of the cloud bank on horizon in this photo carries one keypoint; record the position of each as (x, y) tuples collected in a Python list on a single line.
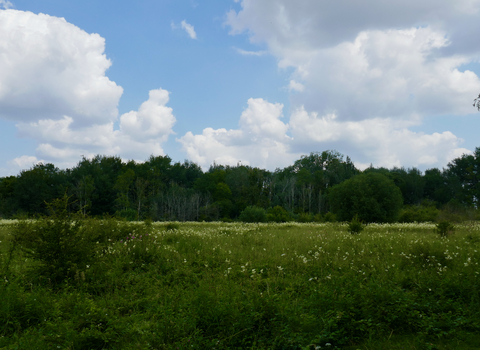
[(360, 78)]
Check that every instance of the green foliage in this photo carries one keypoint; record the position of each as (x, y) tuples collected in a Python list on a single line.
[(421, 213), (436, 186), (330, 217), (372, 196), (223, 207), (231, 286), (222, 192), (454, 211), (444, 228), (128, 214), (463, 178), (172, 226), (305, 217), (410, 182), (57, 242), (253, 214), (278, 214), (355, 226), (34, 187), (164, 191)]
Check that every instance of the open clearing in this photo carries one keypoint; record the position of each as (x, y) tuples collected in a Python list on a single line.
[(249, 286)]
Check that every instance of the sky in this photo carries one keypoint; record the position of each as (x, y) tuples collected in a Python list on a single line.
[(257, 83)]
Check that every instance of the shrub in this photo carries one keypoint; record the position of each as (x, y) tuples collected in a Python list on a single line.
[(278, 214), (305, 217), (355, 226), (58, 242), (419, 214), (253, 214), (454, 211), (444, 228), (330, 217), (127, 214)]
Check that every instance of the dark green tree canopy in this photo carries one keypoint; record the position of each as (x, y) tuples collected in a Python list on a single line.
[(463, 178), (371, 196), (162, 190)]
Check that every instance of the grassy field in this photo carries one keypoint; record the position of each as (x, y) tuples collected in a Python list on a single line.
[(246, 286)]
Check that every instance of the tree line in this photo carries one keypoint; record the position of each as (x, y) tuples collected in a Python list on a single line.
[(316, 187)]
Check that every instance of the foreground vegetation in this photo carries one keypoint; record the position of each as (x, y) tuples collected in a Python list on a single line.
[(238, 286)]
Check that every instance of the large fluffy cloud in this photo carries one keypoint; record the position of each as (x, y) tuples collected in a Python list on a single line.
[(261, 140), (53, 85), (302, 25), (389, 142), (365, 72), (392, 73), (371, 58), (141, 133), (154, 120), (50, 68)]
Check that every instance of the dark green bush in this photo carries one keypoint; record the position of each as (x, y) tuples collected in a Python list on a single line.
[(127, 214), (330, 217), (305, 217), (355, 226), (278, 214), (419, 214), (371, 196), (444, 228), (58, 242), (253, 214)]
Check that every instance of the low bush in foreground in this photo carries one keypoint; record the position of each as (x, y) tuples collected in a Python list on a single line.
[(249, 286)]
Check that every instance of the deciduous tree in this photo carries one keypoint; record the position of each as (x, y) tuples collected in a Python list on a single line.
[(371, 196)]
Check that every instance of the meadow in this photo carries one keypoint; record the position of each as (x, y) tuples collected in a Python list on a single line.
[(243, 286)]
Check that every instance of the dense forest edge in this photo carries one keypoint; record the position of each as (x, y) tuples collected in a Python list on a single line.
[(319, 187)]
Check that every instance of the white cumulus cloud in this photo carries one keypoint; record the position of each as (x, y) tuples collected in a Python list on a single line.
[(261, 139), (50, 68), (24, 162), (386, 142), (53, 85), (310, 24), (388, 74), (369, 71), (141, 133), (153, 120)]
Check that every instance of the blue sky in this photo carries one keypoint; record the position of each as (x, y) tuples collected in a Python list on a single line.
[(261, 82)]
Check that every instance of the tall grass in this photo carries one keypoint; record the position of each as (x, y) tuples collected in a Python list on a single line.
[(251, 286)]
